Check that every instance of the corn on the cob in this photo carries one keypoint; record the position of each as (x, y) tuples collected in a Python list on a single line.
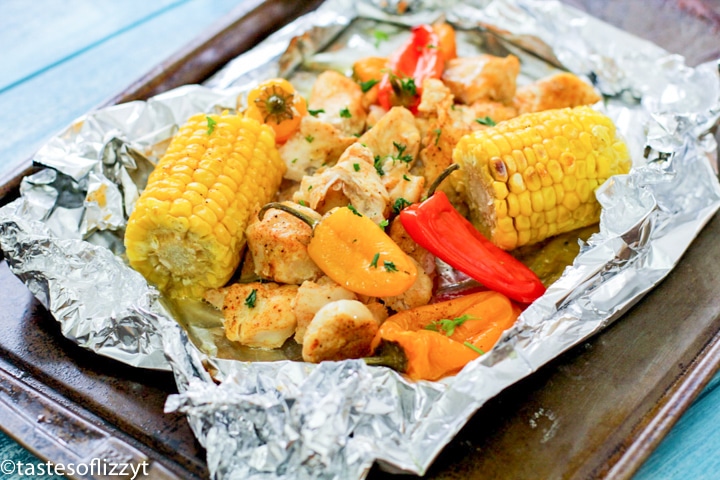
[(534, 176), (188, 226)]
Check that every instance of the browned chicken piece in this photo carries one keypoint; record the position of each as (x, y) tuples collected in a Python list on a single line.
[(394, 143), (314, 145), (495, 111), (418, 294), (278, 245), (339, 102), (396, 127), (311, 297), (256, 314), (557, 91), (483, 77), (353, 180), (375, 113), (379, 310), (340, 330), (425, 259)]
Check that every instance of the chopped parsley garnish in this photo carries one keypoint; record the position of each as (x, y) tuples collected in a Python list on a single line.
[(399, 204), (474, 348), (309, 138), (302, 202), (390, 266), (315, 113), (384, 223), (354, 210), (365, 86), (345, 113), (356, 167), (401, 149), (448, 325), (375, 259), (310, 188), (486, 121), (437, 132), (251, 299), (211, 125), (408, 85), (294, 160), (380, 36), (378, 165), (406, 178)]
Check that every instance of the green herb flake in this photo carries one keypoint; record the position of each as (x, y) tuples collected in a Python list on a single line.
[(384, 223), (401, 150), (399, 204), (365, 86), (315, 113), (211, 125), (406, 178), (390, 266), (380, 37), (486, 121), (377, 163), (310, 188), (294, 160), (302, 202), (251, 299), (375, 259), (474, 348), (356, 167), (437, 132), (408, 85), (345, 113), (309, 138), (354, 210), (448, 325)]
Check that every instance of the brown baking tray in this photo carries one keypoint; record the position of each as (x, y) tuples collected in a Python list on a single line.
[(596, 411)]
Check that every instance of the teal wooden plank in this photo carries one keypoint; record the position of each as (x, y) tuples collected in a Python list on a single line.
[(690, 450), (37, 35), (46, 103), (16, 461)]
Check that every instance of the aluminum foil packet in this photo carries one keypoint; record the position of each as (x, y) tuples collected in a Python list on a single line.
[(287, 419)]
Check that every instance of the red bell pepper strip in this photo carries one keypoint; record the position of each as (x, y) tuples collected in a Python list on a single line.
[(417, 60), (435, 225)]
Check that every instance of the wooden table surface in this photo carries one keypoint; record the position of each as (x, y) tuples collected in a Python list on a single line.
[(61, 59)]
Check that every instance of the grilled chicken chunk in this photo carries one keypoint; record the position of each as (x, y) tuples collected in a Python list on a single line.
[(256, 314), (278, 245)]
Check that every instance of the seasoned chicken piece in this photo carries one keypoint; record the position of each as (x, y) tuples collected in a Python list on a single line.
[(353, 180), (442, 124), (278, 245), (425, 259), (556, 91), (375, 113), (418, 294), (339, 102), (484, 77), (496, 111), (394, 143), (311, 297), (339, 330), (396, 127), (256, 314), (314, 145)]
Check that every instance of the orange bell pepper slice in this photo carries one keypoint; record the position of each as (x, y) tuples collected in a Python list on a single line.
[(461, 329), (356, 253)]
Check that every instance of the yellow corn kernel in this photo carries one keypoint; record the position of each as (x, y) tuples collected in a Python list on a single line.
[(186, 231), (553, 161)]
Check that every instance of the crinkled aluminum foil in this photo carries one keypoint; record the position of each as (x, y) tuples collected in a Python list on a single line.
[(289, 419)]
